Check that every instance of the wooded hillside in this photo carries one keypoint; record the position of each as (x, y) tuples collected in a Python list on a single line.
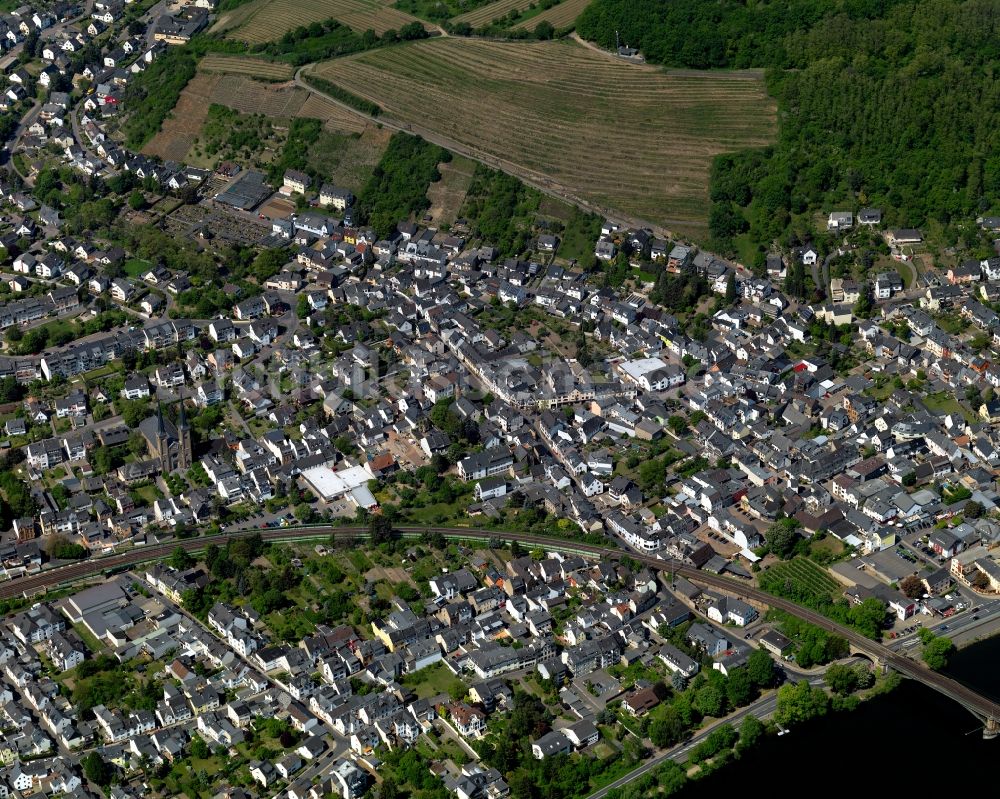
[(886, 103)]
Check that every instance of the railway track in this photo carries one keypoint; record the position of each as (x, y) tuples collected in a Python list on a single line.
[(979, 705)]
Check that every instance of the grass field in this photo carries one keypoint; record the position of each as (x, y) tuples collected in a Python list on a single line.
[(267, 20), (561, 16), (486, 14), (628, 138), (242, 65), (806, 573), (433, 680), (136, 267), (348, 161)]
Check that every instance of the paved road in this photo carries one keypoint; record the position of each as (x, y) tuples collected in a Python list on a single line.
[(762, 708)]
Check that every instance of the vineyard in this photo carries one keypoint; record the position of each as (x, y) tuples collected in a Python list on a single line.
[(560, 16), (631, 138), (486, 14), (267, 20), (251, 67), (803, 576)]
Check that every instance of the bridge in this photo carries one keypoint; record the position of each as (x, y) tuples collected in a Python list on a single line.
[(983, 708)]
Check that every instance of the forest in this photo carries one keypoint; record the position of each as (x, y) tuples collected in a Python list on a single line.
[(500, 208), (398, 187), (889, 103)]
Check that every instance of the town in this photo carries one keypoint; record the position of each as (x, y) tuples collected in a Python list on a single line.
[(219, 352)]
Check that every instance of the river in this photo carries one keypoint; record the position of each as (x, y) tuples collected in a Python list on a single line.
[(912, 738)]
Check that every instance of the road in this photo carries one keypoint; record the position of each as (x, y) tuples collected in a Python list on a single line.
[(762, 708), (967, 697), (533, 178)]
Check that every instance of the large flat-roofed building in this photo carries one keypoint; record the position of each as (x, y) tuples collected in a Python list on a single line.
[(351, 482), (246, 192), (95, 600)]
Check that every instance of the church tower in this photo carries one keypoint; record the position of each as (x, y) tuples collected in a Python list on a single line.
[(162, 441), (185, 455)]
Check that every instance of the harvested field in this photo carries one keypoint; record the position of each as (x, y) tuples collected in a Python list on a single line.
[(633, 139), (561, 16), (181, 128), (251, 67), (268, 20), (484, 15), (447, 195)]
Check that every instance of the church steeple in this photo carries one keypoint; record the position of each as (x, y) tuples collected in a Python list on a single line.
[(185, 454), (162, 441)]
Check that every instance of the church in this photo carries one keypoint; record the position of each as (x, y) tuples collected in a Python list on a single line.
[(166, 442)]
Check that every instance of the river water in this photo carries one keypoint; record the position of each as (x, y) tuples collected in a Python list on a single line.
[(912, 738)]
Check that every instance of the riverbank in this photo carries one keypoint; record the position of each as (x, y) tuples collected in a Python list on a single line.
[(872, 736), (725, 750)]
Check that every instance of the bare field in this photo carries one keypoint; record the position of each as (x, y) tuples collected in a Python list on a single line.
[(268, 20), (447, 195), (633, 139), (243, 65), (486, 14), (561, 16), (181, 128)]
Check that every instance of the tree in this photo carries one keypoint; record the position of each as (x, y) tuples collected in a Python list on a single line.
[(868, 617), (782, 537), (390, 790), (731, 288), (652, 474), (937, 649), (800, 702), (973, 510), (667, 728), (911, 586), (678, 424), (97, 770), (61, 548), (544, 30), (841, 678), (760, 669), (381, 529), (302, 307), (865, 304), (752, 729), (710, 700), (199, 749), (740, 689), (909, 479), (136, 200), (180, 559)]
